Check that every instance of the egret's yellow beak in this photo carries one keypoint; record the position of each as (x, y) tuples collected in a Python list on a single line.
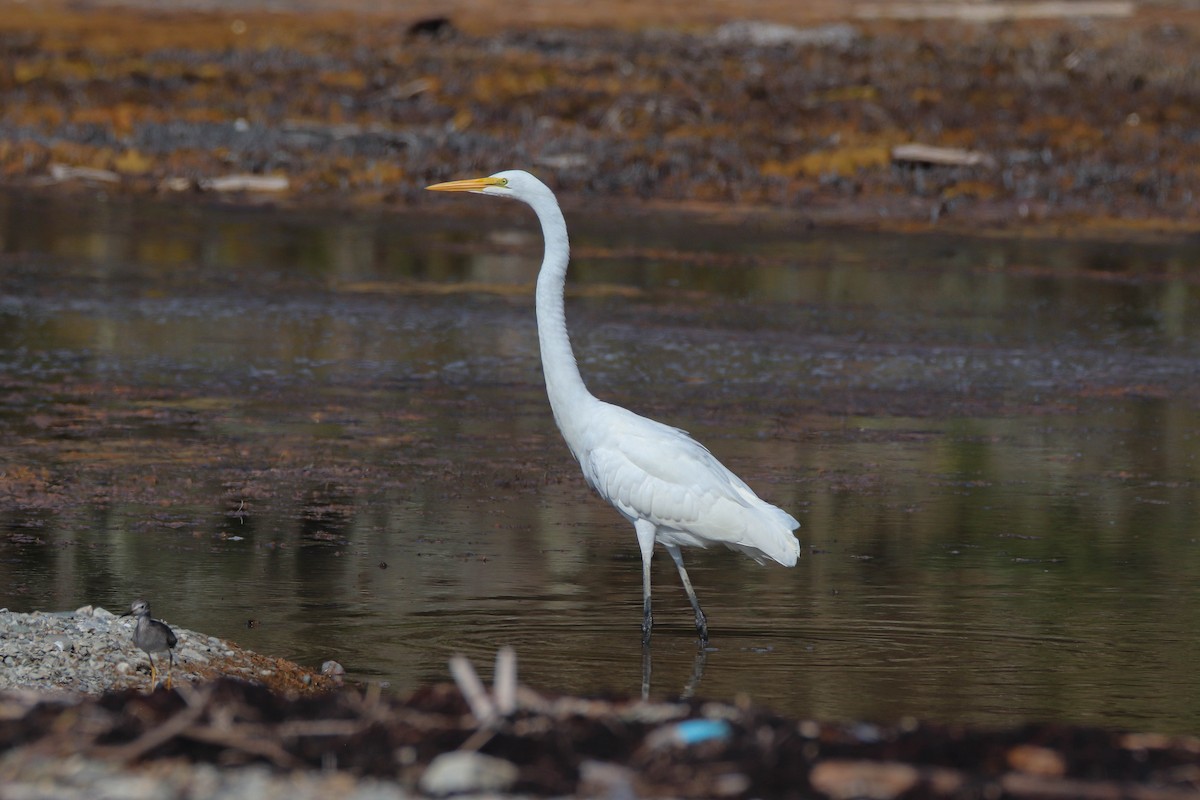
[(469, 185)]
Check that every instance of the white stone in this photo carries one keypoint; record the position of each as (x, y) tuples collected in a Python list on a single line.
[(459, 772)]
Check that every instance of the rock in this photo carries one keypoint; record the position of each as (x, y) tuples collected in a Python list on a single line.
[(605, 779), (63, 172), (459, 772), (765, 34), (334, 670), (918, 153), (246, 183)]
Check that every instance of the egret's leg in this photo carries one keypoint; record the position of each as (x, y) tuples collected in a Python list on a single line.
[(701, 620), (645, 535), (170, 666), (153, 672)]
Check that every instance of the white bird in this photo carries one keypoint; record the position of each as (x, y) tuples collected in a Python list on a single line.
[(666, 483)]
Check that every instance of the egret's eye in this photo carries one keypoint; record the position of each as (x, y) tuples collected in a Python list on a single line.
[(504, 181)]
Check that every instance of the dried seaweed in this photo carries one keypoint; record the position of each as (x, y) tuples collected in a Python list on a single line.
[(1067, 121), (573, 745)]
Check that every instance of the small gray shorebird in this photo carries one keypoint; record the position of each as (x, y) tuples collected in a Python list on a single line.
[(152, 636)]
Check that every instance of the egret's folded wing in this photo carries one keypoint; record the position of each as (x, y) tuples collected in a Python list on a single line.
[(654, 472)]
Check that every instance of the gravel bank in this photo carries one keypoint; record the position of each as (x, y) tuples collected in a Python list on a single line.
[(64, 656), (90, 651)]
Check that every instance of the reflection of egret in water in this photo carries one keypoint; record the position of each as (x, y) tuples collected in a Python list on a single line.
[(689, 688), (668, 485)]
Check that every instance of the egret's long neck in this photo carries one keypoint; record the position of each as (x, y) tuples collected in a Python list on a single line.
[(564, 384)]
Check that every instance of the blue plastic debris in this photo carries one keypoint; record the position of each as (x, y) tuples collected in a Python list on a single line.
[(690, 732), (694, 731)]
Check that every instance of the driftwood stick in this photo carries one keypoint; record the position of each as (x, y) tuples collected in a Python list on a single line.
[(472, 690), (504, 681)]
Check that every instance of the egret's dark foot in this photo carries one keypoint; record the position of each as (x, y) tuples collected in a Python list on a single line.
[(702, 627)]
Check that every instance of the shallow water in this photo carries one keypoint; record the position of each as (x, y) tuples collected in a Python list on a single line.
[(325, 436)]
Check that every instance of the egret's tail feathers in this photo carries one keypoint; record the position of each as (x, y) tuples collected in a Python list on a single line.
[(770, 538), (790, 522)]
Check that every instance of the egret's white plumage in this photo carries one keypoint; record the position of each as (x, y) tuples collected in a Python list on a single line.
[(666, 483)]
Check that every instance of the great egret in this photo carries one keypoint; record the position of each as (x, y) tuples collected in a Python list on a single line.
[(666, 483), (152, 636)]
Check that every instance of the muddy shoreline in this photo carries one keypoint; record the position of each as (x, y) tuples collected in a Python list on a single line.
[(1067, 124)]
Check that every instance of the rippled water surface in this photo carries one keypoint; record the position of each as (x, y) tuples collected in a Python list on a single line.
[(325, 436)]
